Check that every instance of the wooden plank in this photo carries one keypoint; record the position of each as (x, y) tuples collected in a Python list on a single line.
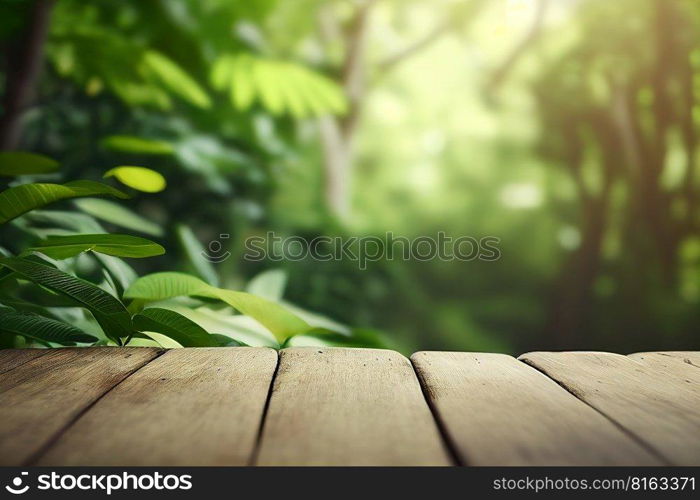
[(333, 406), (664, 412), (499, 411), (12, 358), (39, 398), (670, 366), (691, 358), (189, 407)]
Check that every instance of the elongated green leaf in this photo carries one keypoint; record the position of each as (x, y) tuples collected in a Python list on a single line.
[(222, 72), (282, 323), (118, 215), (280, 86), (108, 311), (358, 338), (117, 245), (75, 222), (268, 284), (119, 272), (226, 341), (21, 199), (175, 78), (39, 328), (148, 339), (242, 86), (161, 286), (137, 145), (243, 329), (139, 178), (267, 81), (14, 163), (171, 324), (195, 254)]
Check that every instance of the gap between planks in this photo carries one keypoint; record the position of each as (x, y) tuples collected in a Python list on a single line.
[(32, 460), (14, 358), (267, 435), (189, 407), (40, 397), (497, 410), (335, 406), (653, 397)]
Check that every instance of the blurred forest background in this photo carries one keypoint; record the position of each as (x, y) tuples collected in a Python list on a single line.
[(569, 129)]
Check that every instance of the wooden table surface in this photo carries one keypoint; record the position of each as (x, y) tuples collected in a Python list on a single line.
[(331, 406)]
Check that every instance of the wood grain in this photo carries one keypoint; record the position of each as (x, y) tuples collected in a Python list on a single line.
[(12, 358), (670, 366), (662, 411), (348, 407), (691, 358), (499, 411), (189, 407), (39, 398)]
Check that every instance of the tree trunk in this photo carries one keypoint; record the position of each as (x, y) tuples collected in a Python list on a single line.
[(337, 154), (24, 59), (573, 290)]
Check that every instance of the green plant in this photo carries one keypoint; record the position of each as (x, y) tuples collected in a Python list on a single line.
[(46, 300)]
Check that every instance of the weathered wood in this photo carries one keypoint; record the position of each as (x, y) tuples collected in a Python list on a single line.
[(664, 412), (29, 366), (39, 398), (670, 367), (688, 357), (120, 406), (189, 407), (12, 358), (499, 411), (348, 407)]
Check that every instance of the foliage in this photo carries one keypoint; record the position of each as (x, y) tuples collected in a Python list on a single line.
[(116, 304), (572, 138)]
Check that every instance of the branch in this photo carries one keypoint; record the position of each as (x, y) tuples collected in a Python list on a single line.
[(499, 76), (353, 77), (394, 60), (432, 36)]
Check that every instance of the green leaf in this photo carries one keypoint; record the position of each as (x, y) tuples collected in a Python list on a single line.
[(243, 329), (137, 145), (172, 76), (42, 329), (19, 200), (108, 311), (280, 86), (222, 72), (242, 85), (266, 77), (226, 341), (121, 273), (269, 284), (161, 286), (195, 254), (357, 338), (14, 163), (117, 245), (74, 222), (139, 178), (118, 215), (175, 326)]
